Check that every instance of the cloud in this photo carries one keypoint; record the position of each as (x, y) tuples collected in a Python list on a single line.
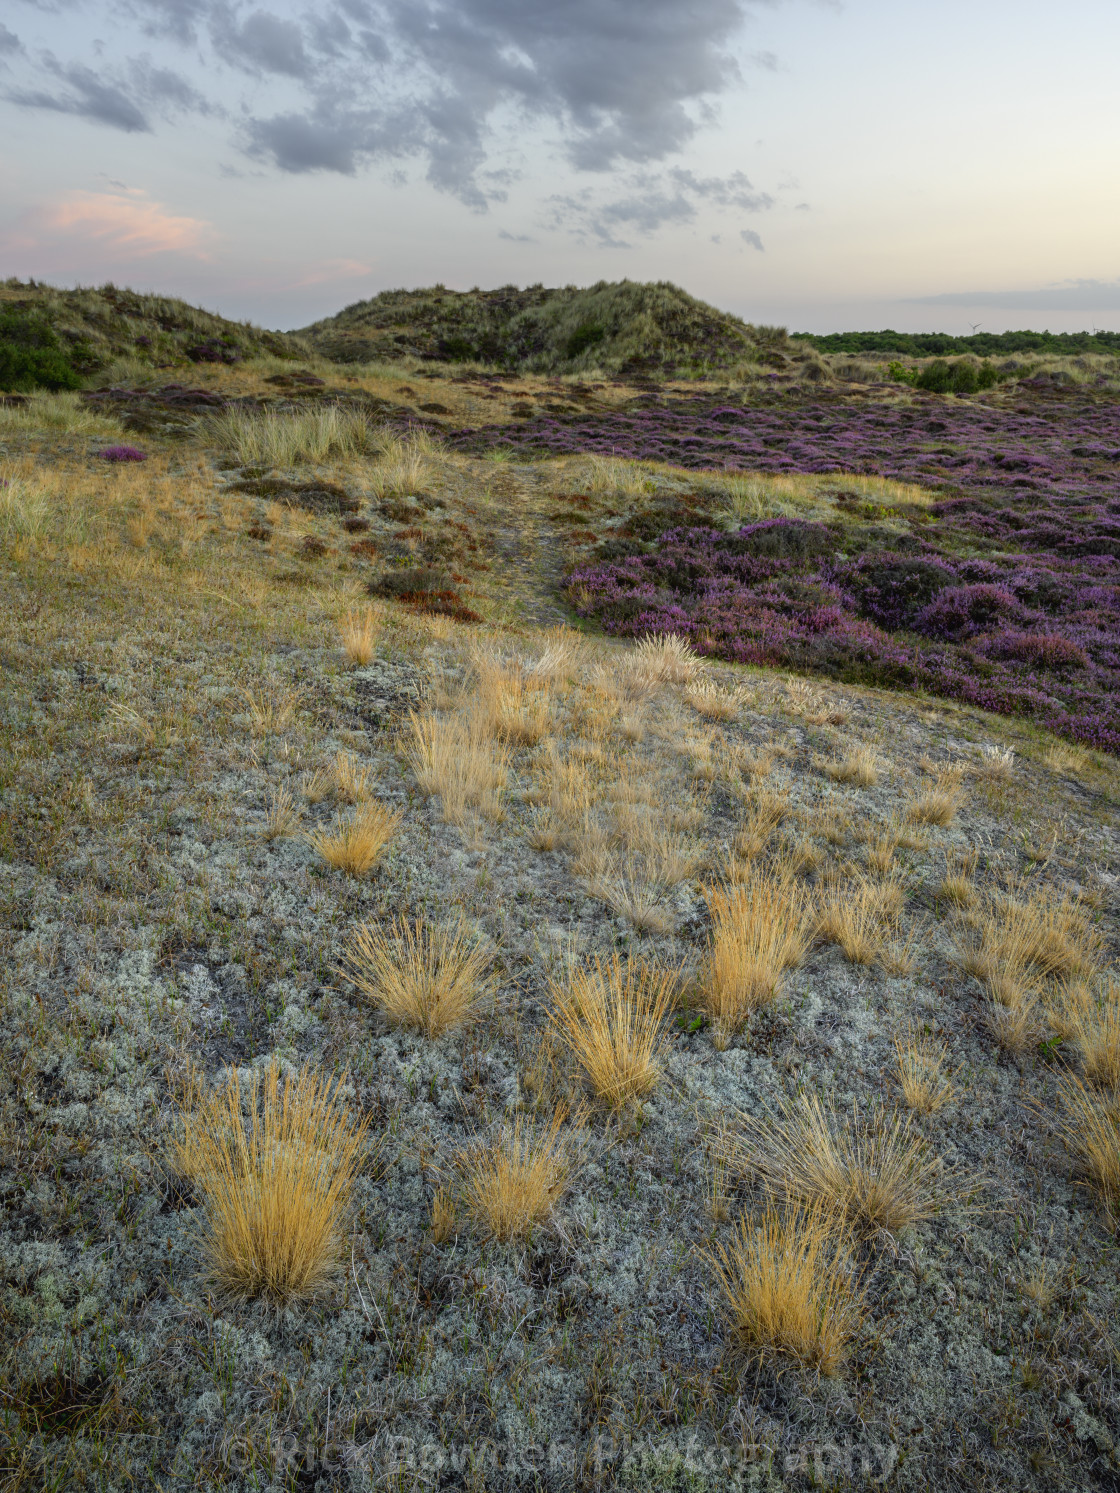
[(329, 271), (654, 201), (515, 238), (125, 225), (9, 41), (727, 191), (87, 95), (750, 237), (1065, 295), (337, 85)]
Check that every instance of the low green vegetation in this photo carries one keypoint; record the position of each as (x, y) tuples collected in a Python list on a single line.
[(941, 344)]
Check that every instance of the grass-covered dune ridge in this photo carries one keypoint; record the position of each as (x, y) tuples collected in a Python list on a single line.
[(623, 326), (92, 328)]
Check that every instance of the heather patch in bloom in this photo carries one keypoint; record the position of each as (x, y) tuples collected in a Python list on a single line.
[(122, 453)]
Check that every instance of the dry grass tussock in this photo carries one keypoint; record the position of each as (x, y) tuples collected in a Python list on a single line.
[(1089, 1124), (937, 805), (765, 810), (668, 659), (856, 915), (431, 978), (511, 1182), (629, 889), (275, 1176), (273, 707), (355, 845), (282, 817), (1037, 933), (858, 768), (512, 696), (790, 1289), (921, 1076), (996, 764), (62, 413), (360, 630), (875, 1174), (455, 758), (272, 438), (1089, 1019), (407, 464), (712, 700), (759, 929), (611, 1018)]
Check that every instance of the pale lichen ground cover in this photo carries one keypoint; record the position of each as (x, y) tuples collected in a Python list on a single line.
[(169, 677)]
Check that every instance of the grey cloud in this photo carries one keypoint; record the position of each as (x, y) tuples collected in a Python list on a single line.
[(749, 236), (515, 238), (1072, 295), (727, 191), (86, 95), (267, 43), (624, 82), (9, 41)]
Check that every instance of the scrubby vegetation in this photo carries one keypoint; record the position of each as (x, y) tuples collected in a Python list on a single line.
[(55, 339), (444, 1044), (615, 328)]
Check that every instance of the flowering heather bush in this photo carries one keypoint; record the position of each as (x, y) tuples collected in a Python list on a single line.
[(122, 453), (769, 594)]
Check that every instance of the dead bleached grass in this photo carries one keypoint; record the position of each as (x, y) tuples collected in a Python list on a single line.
[(713, 700), (456, 758), (765, 810), (275, 1175), (790, 1289), (873, 1174), (432, 978), (668, 659), (512, 1181), (273, 707), (858, 768), (1013, 940), (937, 805), (359, 631), (759, 929), (856, 913), (356, 844), (630, 890), (1089, 1124), (611, 1016), (921, 1072), (1089, 1019), (282, 439), (282, 817)]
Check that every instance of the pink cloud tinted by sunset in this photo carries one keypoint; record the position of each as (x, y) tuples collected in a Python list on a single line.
[(128, 224)]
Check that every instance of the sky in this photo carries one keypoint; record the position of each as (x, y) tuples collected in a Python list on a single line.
[(826, 165)]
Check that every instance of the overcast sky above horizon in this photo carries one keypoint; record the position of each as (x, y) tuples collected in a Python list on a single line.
[(858, 164)]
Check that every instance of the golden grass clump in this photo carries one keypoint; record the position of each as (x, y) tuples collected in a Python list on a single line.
[(512, 1182), (668, 659), (273, 708), (351, 782), (1090, 1019), (1041, 934), (997, 764), (282, 816), (854, 915), (1090, 1127), (513, 697), (937, 805), (360, 631), (273, 438), (858, 768), (790, 1289), (611, 1018), (759, 929), (444, 1215), (628, 889), (921, 1076), (455, 758), (874, 1174), (765, 811), (275, 1177), (430, 978), (355, 845), (713, 701)]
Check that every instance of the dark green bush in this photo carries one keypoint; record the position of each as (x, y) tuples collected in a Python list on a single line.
[(31, 356), (585, 336), (960, 377)]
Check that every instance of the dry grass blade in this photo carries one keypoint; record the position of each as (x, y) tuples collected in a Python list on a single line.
[(790, 1290), (712, 700), (282, 817), (455, 758), (430, 978), (630, 892), (854, 916), (997, 764), (610, 1016), (275, 1179), (668, 659), (351, 781), (1090, 1019), (360, 631), (512, 1183), (760, 929), (765, 812), (443, 1218), (1090, 1127), (921, 1061), (355, 844), (1016, 1025), (935, 806), (875, 1175), (272, 708), (859, 768)]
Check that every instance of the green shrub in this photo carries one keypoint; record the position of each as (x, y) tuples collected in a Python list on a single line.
[(31, 356), (960, 377)]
